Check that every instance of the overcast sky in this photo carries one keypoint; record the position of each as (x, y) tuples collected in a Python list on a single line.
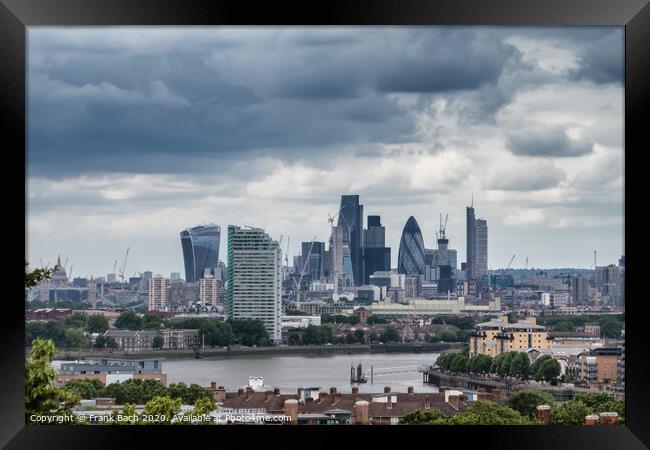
[(137, 133)]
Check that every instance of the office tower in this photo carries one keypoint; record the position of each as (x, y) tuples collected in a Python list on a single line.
[(314, 264), (351, 219), (481, 247), (200, 246), (111, 278), (452, 255), (376, 256), (472, 269), (158, 294), (255, 278), (209, 290), (608, 283), (410, 259), (580, 289), (336, 255), (175, 276)]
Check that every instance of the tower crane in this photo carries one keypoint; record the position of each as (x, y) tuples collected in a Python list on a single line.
[(124, 264), (115, 266), (508, 266), (302, 273)]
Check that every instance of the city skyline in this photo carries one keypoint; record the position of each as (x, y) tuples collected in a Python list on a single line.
[(164, 129)]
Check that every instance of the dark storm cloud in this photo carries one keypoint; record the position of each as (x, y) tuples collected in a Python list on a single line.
[(603, 60), (546, 141), (115, 100)]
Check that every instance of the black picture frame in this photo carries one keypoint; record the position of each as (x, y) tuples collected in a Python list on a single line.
[(634, 15)]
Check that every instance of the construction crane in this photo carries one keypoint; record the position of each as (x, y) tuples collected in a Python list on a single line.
[(302, 273), (115, 266), (508, 266), (70, 273), (124, 264)]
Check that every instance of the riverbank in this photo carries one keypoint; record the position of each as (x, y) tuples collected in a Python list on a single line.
[(248, 352)]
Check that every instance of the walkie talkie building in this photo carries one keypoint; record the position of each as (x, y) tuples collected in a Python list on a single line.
[(200, 246)]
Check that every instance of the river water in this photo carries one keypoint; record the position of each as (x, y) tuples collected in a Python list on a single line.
[(290, 372)]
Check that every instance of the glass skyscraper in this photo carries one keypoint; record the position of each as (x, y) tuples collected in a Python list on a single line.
[(411, 249), (255, 278), (351, 220), (200, 246), (376, 256)]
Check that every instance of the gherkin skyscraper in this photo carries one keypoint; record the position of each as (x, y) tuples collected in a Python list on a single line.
[(411, 249)]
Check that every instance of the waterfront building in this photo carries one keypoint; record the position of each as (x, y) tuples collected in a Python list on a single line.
[(254, 278), (421, 307), (498, 336), (351, 220), (411, 259), (158, 293), (600, 365), (200, 245), (209, 288), (112, 370)]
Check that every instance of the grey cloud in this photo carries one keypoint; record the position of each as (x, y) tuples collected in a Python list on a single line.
[(526, 177), (603, 60), (546, 141)]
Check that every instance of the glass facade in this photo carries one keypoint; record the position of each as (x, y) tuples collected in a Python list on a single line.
[(411, 250), (200, 247), (351, 220)]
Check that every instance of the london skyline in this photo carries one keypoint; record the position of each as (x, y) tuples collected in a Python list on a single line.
[(135, 134)]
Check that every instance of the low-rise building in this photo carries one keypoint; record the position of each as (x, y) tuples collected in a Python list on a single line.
[(174, 339), (112, 370), (498, 336)]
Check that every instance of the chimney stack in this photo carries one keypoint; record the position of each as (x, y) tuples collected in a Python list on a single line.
[(213, 385), (362, 412), (249, 392), (410, 390), (386, 389), (321, 396), (276, 391), (592, 419), (608, 418), (268, 395), (300, 395), (332, 390), (291, 410), (544, 414), (240, 392), (389, 402), (355, 393)]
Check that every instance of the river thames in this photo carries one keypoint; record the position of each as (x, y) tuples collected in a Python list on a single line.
[(290, 372)]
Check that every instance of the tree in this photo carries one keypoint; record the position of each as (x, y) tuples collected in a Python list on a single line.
[(97, 323), (483, 364), (420, 417), (37, 275), (373, 338), (91, 388), (204, 405), (390, 334), (484, 412), (76, 320), (360, 335), (527, 401), (520, 366), (41, 397), (163, 409), (100, 341), (447, 336), (602, 402), (294, 339), (129, 321), (350, 338), (158, 342), (572, 412), (563, 325), (459, 363), (126, 417), (545, 368), (152, 321), (75, 337), (504, 364), (249, 332), (111, 342)]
